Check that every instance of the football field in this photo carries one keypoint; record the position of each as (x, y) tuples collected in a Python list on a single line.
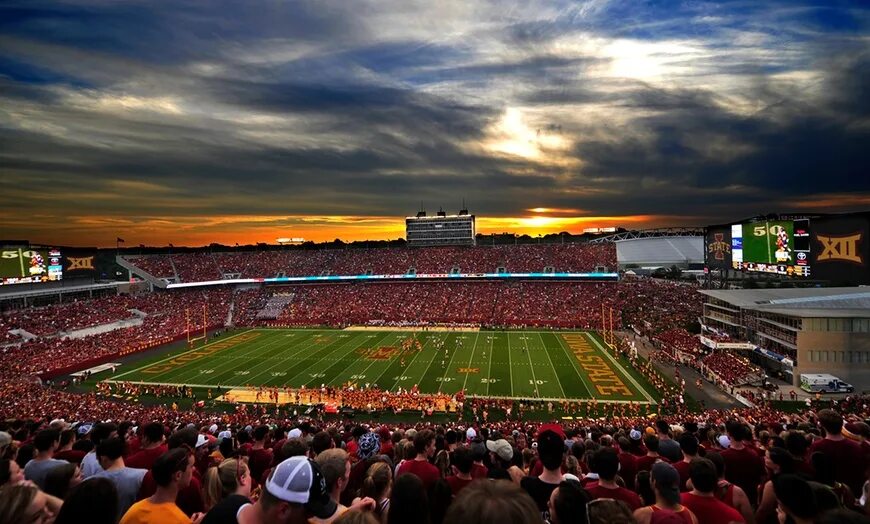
[(549, 365)]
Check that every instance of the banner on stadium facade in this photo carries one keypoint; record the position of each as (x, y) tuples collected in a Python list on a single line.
[(717, 244), (79, 262), (712, 344), (840, 248)]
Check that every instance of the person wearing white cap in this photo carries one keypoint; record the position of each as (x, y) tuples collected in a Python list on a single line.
[(470, 434), (294, 491)]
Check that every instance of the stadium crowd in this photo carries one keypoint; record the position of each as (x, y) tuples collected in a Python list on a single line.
[(198, 267), (166, 320), (133, 464)]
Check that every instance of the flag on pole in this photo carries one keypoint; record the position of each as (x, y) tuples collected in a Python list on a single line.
[(119, 239)]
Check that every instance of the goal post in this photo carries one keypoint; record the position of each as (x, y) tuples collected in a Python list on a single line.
[(194, 335)]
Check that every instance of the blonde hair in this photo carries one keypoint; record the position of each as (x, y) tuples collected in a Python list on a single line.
[(14, 501), (378, 478), (223, 480)]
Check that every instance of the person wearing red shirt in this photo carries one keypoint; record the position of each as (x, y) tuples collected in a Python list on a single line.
[(65, 451), (424, 445), (627, 463), (605, 462), (152, 447), (743, 466), (260, 456), (689, 448), (461, 477), (848, 457), (701, 501), (645, 463)]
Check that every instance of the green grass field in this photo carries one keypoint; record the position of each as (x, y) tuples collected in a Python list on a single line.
[(506, 364)]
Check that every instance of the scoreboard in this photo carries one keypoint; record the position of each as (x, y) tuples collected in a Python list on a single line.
[(780, 247), (27, 265)]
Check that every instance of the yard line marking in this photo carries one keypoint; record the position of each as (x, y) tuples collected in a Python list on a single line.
[(532, 367), (510, 366), (235, 362), (489, 371), (420, 381), (373, 362), (409, 364), (552, 366), (473, 347), (285, 359), (330, 353), (449, 364)]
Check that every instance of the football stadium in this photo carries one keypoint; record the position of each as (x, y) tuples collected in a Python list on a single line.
[(220, 302)]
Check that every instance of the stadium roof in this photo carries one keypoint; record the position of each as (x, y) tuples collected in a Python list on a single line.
[(661, 251), (800, 302)]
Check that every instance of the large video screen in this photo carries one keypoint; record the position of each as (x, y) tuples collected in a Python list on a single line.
[(772, 246), (27, 265)]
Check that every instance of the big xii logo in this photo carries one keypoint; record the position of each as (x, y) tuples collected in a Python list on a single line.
[(840, 248), (80, 264), (719, 247)]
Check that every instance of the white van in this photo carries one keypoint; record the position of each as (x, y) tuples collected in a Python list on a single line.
[(824, 383)]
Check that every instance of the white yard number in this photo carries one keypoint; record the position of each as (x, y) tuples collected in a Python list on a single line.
[(488, 380), (243, 372), (538, 382), (444, 379), (317, 375), (279, 373), (206, 371), (357, 377), (403, 377)]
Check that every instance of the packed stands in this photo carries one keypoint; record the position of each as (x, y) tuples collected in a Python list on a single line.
[(730, 368), (166, 320), (70, 316), (199, 267)]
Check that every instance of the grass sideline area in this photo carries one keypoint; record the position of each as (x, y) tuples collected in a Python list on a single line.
[(542, 365)]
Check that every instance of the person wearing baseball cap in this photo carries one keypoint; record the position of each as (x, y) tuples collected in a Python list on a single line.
[(500, 454), (293, 492), (665, 482)]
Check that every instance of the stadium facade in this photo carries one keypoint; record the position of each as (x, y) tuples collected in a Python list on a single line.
[(796, 330)]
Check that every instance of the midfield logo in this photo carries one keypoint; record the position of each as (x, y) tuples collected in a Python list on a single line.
[(80, 264), (840, 248), (719, 247)]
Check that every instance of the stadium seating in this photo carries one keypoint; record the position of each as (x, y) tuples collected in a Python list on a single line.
[(198, 267)]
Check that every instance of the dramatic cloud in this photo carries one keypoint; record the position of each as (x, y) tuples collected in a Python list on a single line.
[(194, 122)]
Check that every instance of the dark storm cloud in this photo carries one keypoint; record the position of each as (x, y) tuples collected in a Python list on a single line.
[(701, 110)]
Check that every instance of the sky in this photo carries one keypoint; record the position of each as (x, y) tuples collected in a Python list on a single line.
[(240, 122)]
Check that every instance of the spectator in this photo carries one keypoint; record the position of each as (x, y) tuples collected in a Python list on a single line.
[(795, 499), (494, 502), (645, 463), (45, 442), (377, 485), (227, 488), (847, 456), (293, 492), (98, 432), (127, 481), (701, 500), (568, 503), (94, 501), (61, 479), (668, 447), (728, 492), (608, 511), (666, 486), (335, 466), (23, 503), (607, 464), (65, 450), (172, 471), (424, 446), (689, 449), (153, 445), (461, 478), (500, 455), (10, 473), (551, 451), (409, 502), (743, 466), (777, 461)]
